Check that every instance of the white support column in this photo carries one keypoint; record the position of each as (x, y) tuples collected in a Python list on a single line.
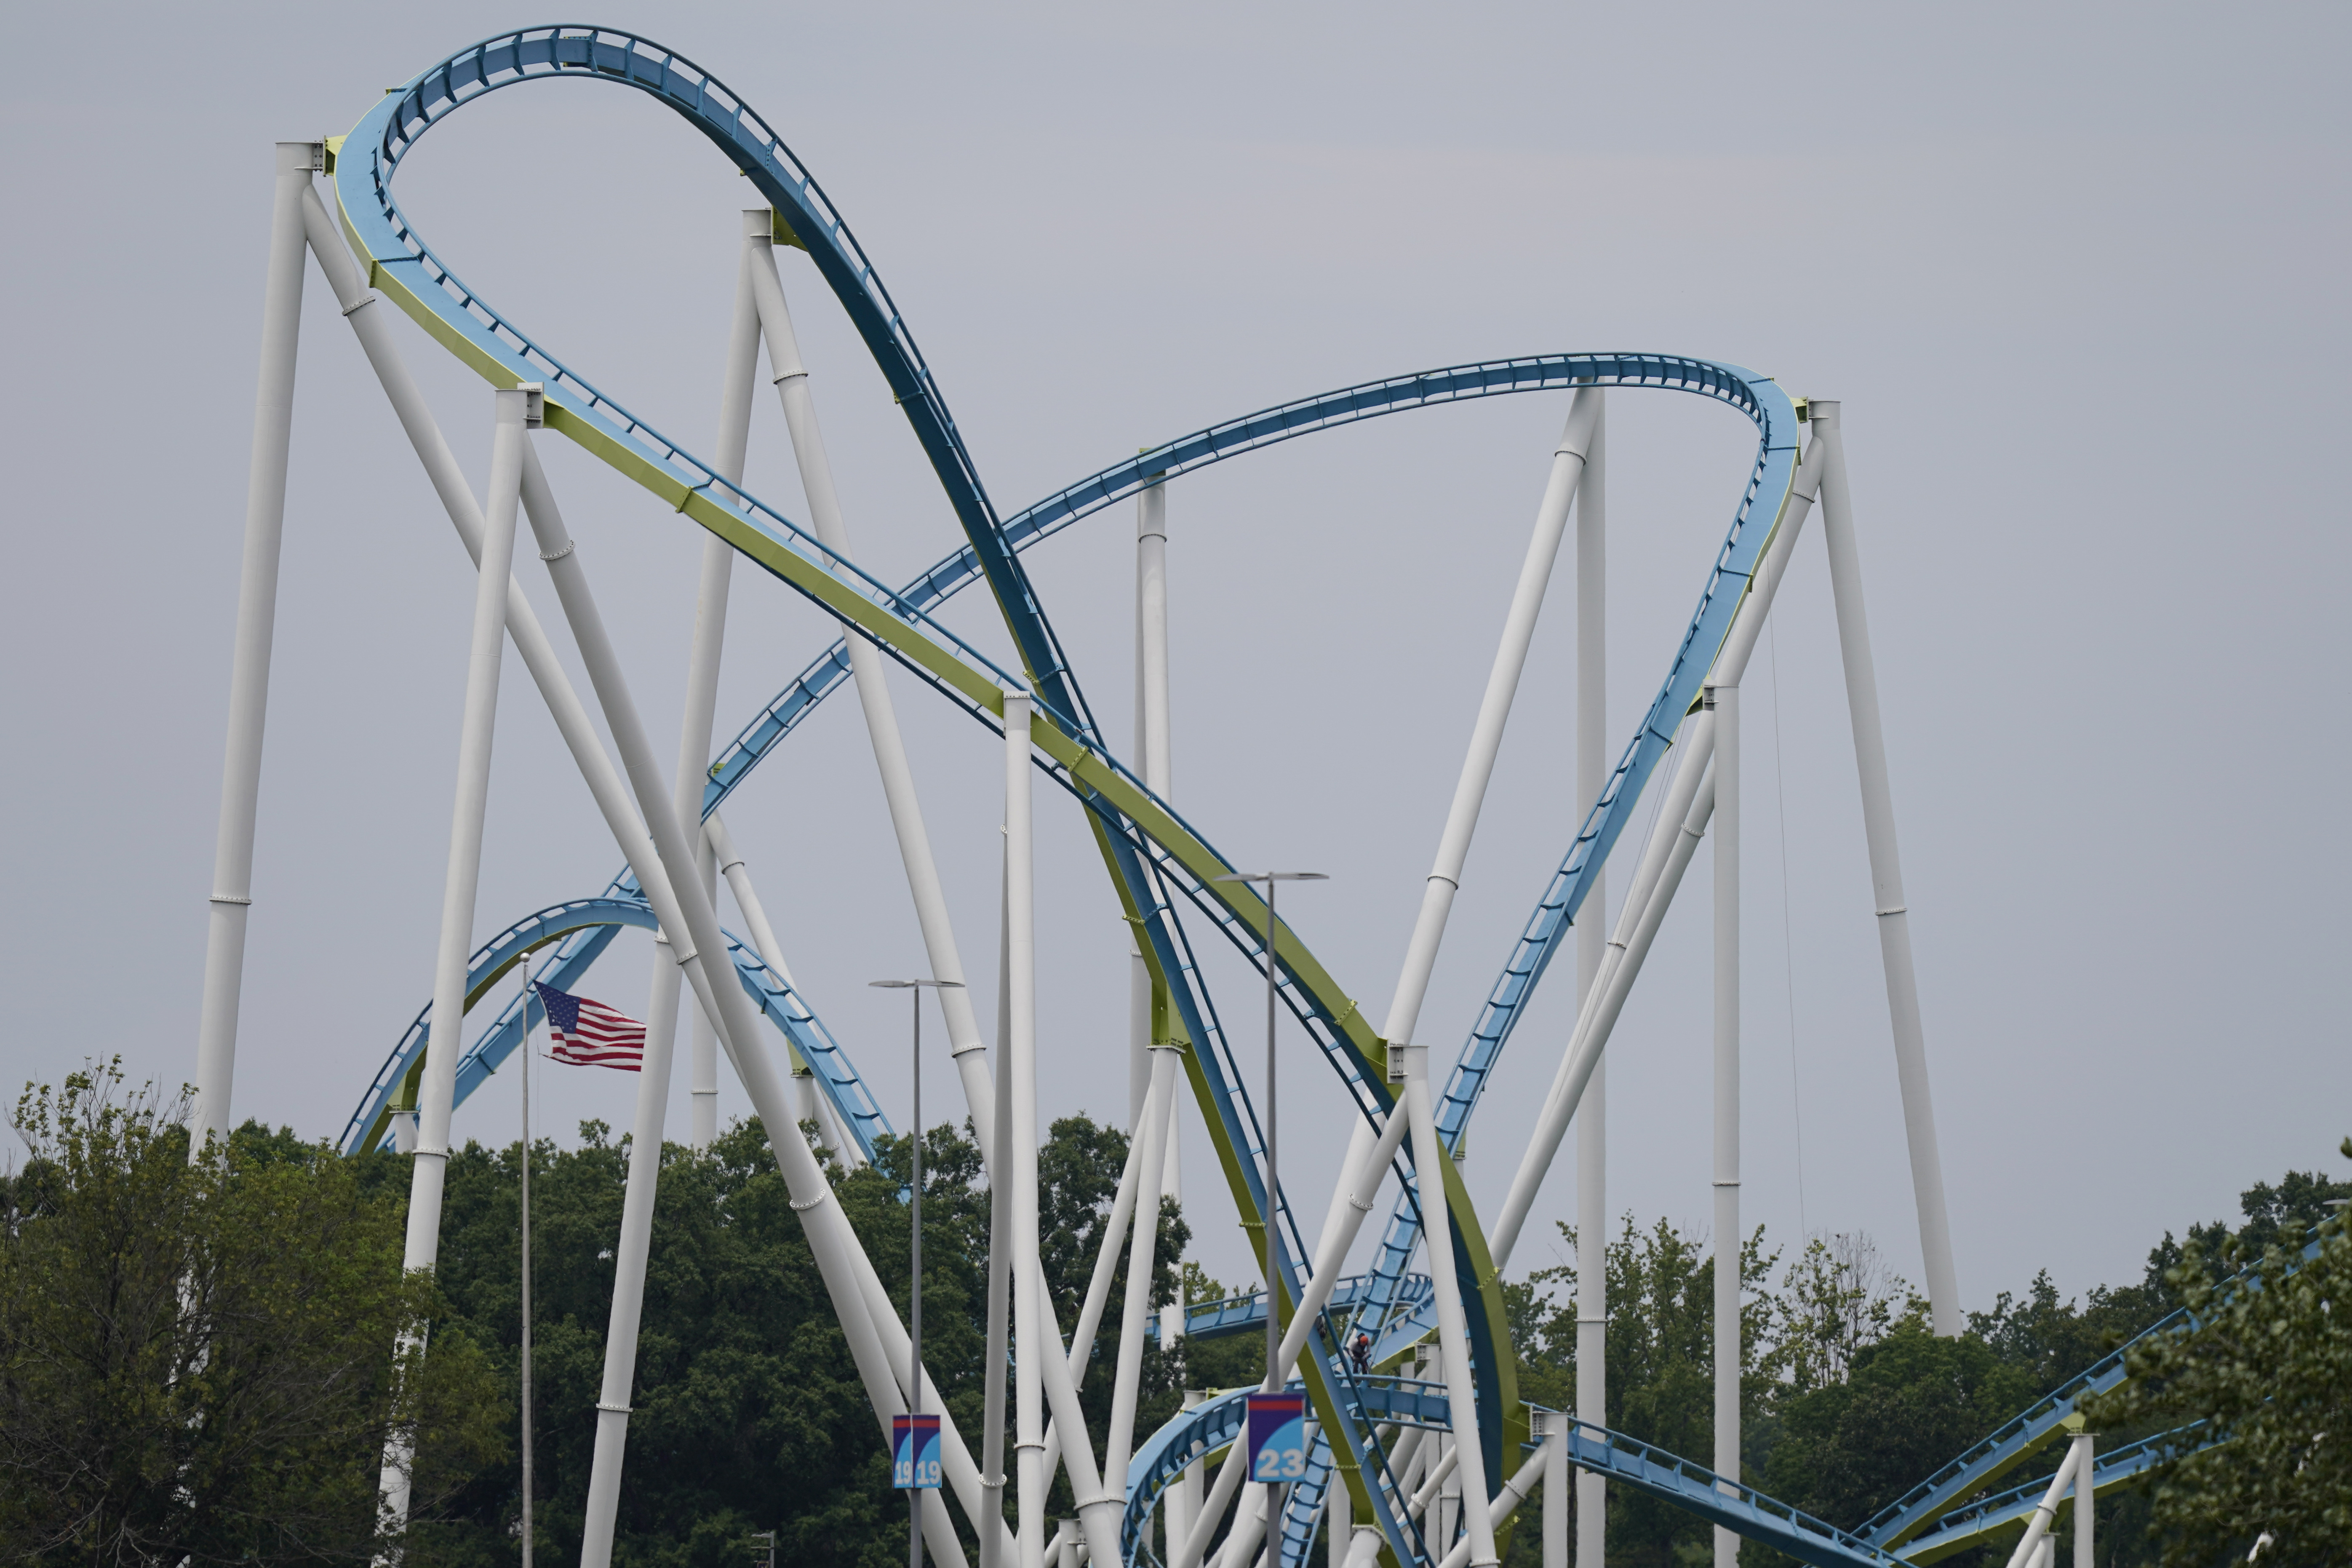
[(1647, 899), (807, 1103), (2037, 1525), (1886, 875), (1552, 1427), (1155, 750), (997, 1342), (1337, 1523), (847, 1273), (1150, 744), (2086, 1499), (256, 622), (461, 880), (369, 326), (1032, 1347), (1452, 1327), (965, 1047), (1494, 713), (1159, 1097), (834, 1255), (702, 704), (1517, 1486), (1181, 1503), (1728, 1357), (1591, 944)]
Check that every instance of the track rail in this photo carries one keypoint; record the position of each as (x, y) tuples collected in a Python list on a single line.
[(1153, 854)]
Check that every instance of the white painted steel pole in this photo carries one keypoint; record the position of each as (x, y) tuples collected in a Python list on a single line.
[(1453, 1326), (1151, 742), (996, 1345), (1494, 713), (702, 665), (965, 1047), (1728, 1354), (1033, 1347), (807, 1106), (1887, 876), (1517, 1487), (1180, 1504), (839, 1260), (1159, 1095), (1212, 1511), (370, 326), (1692, 751), (1638, 917), (2046, 1511), (1591, 946), (1331, 1249), (1156, 748), (1337, 1519), (1555, 1488), (2086, 1499), (231, 900), (461, 880)]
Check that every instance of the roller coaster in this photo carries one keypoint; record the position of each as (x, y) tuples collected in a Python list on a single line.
[(1422, 1449)]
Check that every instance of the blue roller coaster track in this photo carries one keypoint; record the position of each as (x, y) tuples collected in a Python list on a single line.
[(1153, 855)]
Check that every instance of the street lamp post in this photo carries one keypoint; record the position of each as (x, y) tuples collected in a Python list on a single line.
[(914, 988), (1273, 1171)]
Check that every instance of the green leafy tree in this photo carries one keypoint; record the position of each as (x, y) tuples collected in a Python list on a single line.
[(1661, 1366), (749, 1413), (2266, 1367), (196, 1357)]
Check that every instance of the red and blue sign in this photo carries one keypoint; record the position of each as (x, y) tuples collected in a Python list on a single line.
[(1278, 1437), (914, 1452)]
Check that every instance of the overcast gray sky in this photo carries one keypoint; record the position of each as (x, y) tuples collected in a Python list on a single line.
[(2075, 273)]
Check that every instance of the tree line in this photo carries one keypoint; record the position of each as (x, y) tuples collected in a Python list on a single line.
[(200, 1362)]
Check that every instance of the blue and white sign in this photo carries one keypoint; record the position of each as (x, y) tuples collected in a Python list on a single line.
[(1278, 1437), (914, 1452)]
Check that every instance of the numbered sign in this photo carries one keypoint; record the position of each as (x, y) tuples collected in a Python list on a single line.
[(914, 1452), (1278, 1437)]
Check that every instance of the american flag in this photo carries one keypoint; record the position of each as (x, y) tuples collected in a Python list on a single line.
[(590, 1034)]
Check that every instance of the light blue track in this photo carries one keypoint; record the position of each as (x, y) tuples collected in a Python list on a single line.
[(1149, 875), (1205, 1431)]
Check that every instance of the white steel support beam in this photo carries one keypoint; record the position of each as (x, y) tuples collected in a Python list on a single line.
[(808, 1104), (701, 705), (1886, 875), (840, 1261), (1031, 1348), (2045, 1512), (1638, 919), (257, 621), (1452, 1327), (461, 880), (1151, 742), (998, 1329), (1552, 1427), (1518, 1487), (2085, 1498), (1494, 713), (1591, 946), (1725, 701), (1159, 1099), (371, 326), (1181, 1501), (1155, 754), (965, 1047)]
